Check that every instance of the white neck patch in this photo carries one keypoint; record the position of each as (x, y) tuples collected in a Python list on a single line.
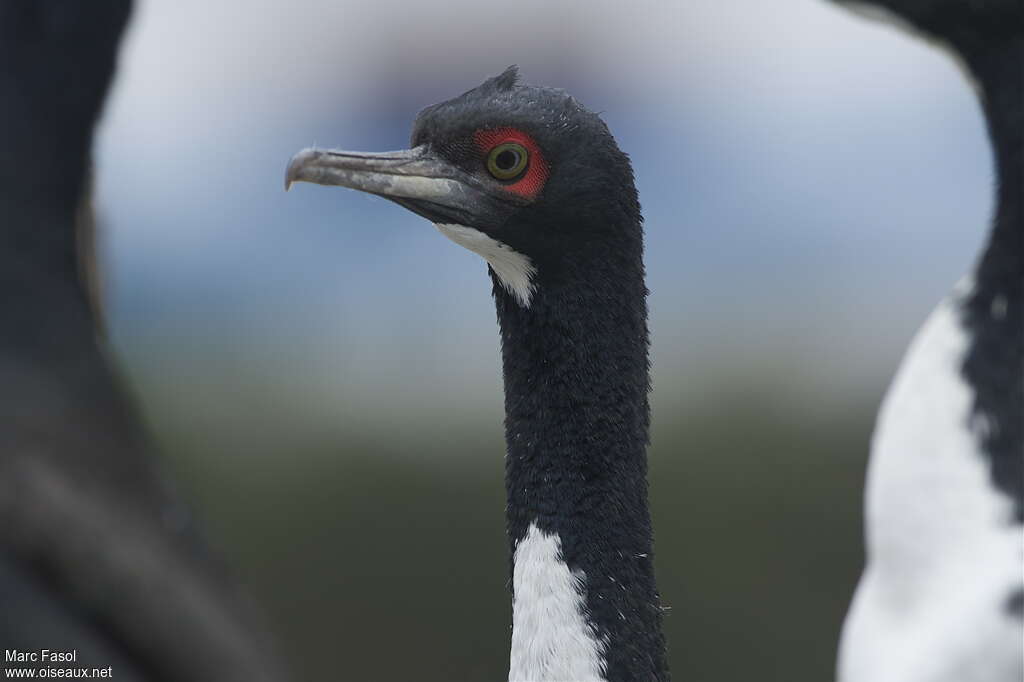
[(551, 638), (514, 270)]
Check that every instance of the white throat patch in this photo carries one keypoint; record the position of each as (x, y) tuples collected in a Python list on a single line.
[(551, 638), (514, 270)]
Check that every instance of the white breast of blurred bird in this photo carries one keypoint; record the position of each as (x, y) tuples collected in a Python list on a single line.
[(943, 551)]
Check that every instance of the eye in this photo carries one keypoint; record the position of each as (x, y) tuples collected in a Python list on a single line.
[(507, 160)]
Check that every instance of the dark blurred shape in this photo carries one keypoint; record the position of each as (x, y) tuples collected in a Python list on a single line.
[(970, 28), (96, 553), (988, 36), (919, 487)]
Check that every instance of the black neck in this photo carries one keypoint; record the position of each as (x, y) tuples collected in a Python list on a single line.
[(994, 313), (576, 385)]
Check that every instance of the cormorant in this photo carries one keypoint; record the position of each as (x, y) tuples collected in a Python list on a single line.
[(536, 184), (97, 555), (942, 596)]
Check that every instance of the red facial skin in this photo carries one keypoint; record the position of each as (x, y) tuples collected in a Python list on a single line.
[(530, 185)]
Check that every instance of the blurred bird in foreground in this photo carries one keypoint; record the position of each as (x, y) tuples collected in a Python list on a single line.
[(97, 555), (942, 596)]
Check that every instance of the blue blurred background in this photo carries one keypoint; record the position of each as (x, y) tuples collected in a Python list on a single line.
[(321, 367)]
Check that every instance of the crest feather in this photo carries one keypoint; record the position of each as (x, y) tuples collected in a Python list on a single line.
[(506, 80)]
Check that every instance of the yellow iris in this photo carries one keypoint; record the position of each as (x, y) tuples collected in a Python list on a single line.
[(507, 160)]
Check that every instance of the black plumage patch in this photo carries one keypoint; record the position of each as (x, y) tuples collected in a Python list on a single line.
[(576, 398), (988, 35), (994, 313)]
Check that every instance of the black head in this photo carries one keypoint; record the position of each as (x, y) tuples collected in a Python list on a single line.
[(56, 61), (574, 184), (508, 170)]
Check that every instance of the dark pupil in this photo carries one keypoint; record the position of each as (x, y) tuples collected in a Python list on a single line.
[(506, 159)]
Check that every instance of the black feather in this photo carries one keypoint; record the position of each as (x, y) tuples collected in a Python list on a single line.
[(96, 552)]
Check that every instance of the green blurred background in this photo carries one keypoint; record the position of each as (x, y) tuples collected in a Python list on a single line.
[(377, 565), (321, 368)]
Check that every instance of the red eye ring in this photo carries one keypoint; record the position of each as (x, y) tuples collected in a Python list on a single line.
[(531, 181)]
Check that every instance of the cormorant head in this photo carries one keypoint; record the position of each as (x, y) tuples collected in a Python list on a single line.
[(525, 176)]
